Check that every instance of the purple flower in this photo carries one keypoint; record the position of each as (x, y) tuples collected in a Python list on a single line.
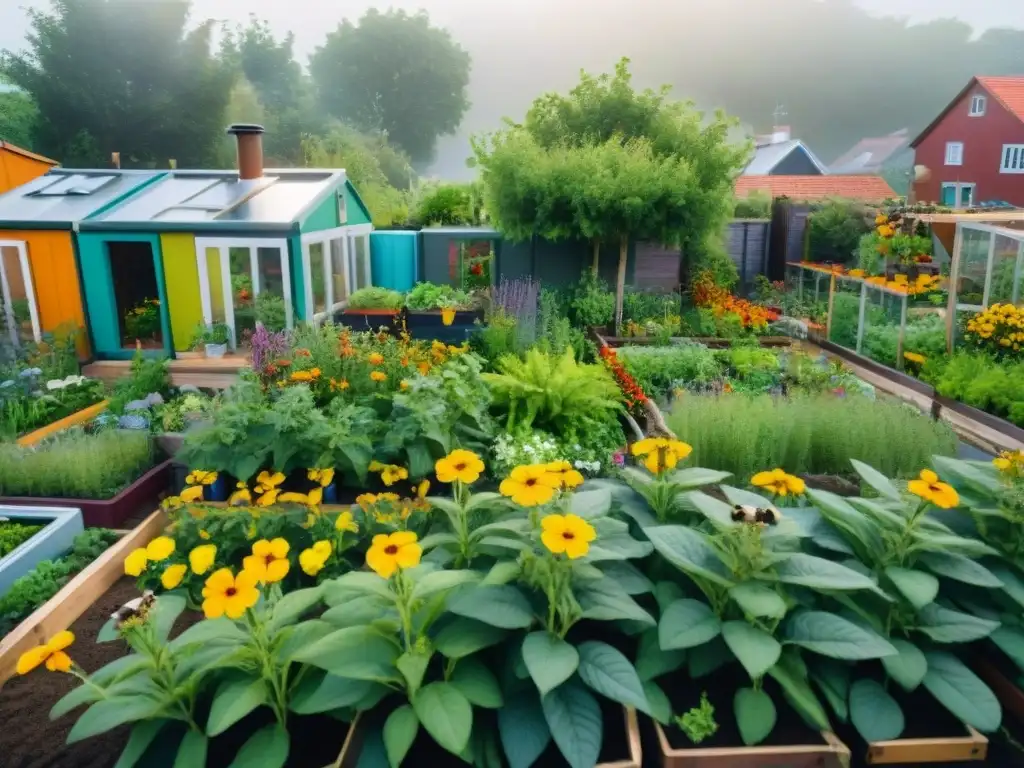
[(267, 347)]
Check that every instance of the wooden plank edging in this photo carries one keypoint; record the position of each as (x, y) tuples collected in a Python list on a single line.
[(973, 747), (79, 417), (832, 754), (75, 598)]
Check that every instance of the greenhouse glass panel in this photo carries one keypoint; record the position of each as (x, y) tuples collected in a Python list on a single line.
[(1005, 269), (883, 313), (974, 248), (845, 313)]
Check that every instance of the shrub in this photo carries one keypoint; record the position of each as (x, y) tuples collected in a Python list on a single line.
[(835, 230), (448, 205), (807, 434), (980, 381), (425, 296), (592, 304), (75, 465), (147, 376), (756, 205), (375, 298), (659, 370)]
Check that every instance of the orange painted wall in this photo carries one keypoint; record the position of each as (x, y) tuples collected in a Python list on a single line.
[(16, 169), (51, 258)]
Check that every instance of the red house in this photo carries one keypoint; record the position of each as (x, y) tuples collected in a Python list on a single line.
[(973, 152)]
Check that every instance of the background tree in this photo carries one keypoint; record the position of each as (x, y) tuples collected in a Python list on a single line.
[(119, 75), (394, 73), (18, 116)]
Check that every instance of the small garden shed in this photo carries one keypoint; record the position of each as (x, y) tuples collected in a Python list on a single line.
[(38, 274), (232, 247), (19, 166)]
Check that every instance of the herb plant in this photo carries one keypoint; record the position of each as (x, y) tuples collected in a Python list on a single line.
[(13, 534), (699, 723), (375, 298)]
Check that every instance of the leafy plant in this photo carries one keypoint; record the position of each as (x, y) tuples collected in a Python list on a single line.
[(980, 381), (215, 333), (143, 320), (270, 311), (28, 402), (426, 296), (699, 722), (835, 230), (592, 304), (14, 534), (660, 370), (147, 376), (375, 298)]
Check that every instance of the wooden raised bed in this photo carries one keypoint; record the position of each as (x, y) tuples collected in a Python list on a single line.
[(636, 759), (56, 538), (972, 747), (832, 754), (109, 513), (715, 343), (79, 417)]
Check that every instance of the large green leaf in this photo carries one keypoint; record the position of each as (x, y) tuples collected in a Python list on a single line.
[(874, 713), (523, 729), (743, 496), (107, 714), (234, 700), (1013, 585), (119, 669), (400, 731), (292, 639), (574, 719), (502, 606), (360, 653), (550, 660), (605, 600), (687, 623), (446, 714), (928, 541), (324, 692), (944, 625), (819, 573), (441, 581), (755, 649), (652, 661), (355, 584), (908, 667), (758, 600), (462, 637), (1010, 641), (705, 659), (658, 702), (716, 511), (961, 692), (413, 666), (359, 611), (223, 631), (985, 479), (290, 607), (696, 477), (267, 748), (918, 587), (628, 577), (142, 735), (833, 679), (192, 750), (477, 683), (833, 636), (687, 549), (591, 504), (755, 715), (799, 693), (839, 514), (876, 480), (165, 612), (76, 697), (960, 568), (606, 671)]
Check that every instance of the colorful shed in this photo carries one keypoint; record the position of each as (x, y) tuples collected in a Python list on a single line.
[(19, 166), (38, 273), (233, 247)]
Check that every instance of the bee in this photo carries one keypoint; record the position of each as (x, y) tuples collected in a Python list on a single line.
[(745, 513), (134, 609)]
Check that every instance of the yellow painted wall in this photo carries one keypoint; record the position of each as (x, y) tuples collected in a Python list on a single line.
[(17, 169), (181, 276), (51, 258)]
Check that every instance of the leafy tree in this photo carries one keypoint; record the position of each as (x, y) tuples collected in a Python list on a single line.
[(124, 76), (397, 74), (18, 116)]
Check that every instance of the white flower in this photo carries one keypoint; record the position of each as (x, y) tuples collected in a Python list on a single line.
[(53, 384)]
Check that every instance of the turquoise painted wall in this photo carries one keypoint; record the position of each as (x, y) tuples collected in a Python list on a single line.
[(394, 259), (325, 215), (298, 280), (98, 285), (357, 214)]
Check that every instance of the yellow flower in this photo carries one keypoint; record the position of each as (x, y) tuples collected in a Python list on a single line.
[(393, 551), (568, 534), (346, 522), (172, 575), (778, 482), (204, 535), (447, 315), (929, 488), (914, 357), (403, 385), (301, 376), (392, 473), (378, 376), (291, 497), (322, 476), (660, 453), (192, 493), (226, 594), (51, 652), (315, 496), (569, 477), (160, 548), (365, 500), (136, 561), (268, 561), (881, 219), (201, 558), (376, 359), (423, 489), (423, 368), (266, 480), (530, 486), (201, 477), (269, 498), (462, 465), (312, 560), (240, 497)]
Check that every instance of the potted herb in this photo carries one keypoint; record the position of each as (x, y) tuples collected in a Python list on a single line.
[(213, 339)]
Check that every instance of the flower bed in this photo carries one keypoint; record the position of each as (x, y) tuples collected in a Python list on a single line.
[(28, 403)]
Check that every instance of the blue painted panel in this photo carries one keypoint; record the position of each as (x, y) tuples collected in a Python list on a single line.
[(62, 525), (394, 259)]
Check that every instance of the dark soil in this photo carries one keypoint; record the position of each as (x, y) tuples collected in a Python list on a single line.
[(316, 740), (685, 694)]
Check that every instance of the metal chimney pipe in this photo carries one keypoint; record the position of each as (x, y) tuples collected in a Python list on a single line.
[(250, 149)]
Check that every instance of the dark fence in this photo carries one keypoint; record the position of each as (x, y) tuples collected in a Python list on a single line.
[(746, 240)]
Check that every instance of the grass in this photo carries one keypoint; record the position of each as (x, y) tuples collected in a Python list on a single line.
[(75, 465), (807, 434)]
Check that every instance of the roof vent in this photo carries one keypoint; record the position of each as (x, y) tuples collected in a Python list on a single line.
[(250, 149)]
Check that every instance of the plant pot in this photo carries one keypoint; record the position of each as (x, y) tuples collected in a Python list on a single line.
[(368, 319), (215, 350), (331, 494), (145, 492), (79, 417), (57, 536)]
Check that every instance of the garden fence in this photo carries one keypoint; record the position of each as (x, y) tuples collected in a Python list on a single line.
[(747, 243)]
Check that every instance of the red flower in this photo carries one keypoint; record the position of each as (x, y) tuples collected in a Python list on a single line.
[(477, 269)]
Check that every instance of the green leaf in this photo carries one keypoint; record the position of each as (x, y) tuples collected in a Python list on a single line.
[(477, 683), (833, 679), (441, 581), (446, 714), (876, 480), (716, 511), (627, 576), (234, 700), (356, 584), (523, 729), (758, 600), (687, 623), (292, 639), (742, 496), (606, 671), (267, 748), (960, 568), (652, 661), (76, 697), (511, 529), (290, 607), (462, 637), (874, 713), (574, 719), (502, 606), (400, 731), (755, 715), (819, 573), (918, 587), (705, 659), (121, 668), (361, 653), (1010, 641), (550, 660), (908, 667), (108, 632), (222, 631), (798, 693), (658, 702), (142, 735), (928, 541), (413, 666), (591, 504), (947, 626), (696, 477), (192, 750), (323, 692), (359, 611), (961, 692), (1013, 585), (688, 550), (107, 714), (502, 572), (165, 612), (755, 649), (833, 636), (605, 600)]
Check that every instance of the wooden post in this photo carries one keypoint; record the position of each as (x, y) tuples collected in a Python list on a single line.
[(597, 257), (831, 303), (620, 283), (954, 277), (115, 159)]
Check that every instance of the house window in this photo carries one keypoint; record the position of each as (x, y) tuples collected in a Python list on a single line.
[(1013, 158), (977, 106), (957, 195), (954, 153)]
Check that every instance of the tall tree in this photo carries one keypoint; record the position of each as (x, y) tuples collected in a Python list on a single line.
[(266, 62), (124, 76), (394, 72), (18, 116)]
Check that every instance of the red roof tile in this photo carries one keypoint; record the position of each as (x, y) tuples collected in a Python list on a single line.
[(1008, 90), (859, 187)]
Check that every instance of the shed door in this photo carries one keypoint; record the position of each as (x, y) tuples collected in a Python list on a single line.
[(21, 313)]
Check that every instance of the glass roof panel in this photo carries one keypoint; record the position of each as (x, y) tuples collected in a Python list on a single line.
[(165, 194), (185, 214), (282, 201), (75, 184), (226, 193)]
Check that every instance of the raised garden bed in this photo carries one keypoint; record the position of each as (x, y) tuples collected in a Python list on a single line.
[(621, 341), (110, 513), (80, 417), (60, 526)]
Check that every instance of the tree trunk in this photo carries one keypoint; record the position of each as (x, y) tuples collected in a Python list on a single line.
[(620, 283), (597, 256)]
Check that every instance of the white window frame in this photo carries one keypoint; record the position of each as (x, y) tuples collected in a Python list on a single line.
[(1014, 152), (30, 292), (954, 153), (223, 246), (958, 187), (979, 102), (347, 237)]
